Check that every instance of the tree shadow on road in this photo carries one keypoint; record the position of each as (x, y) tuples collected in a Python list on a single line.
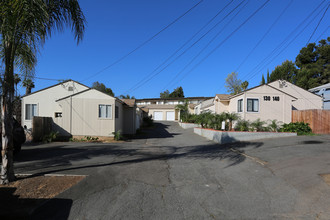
[(59, 158)]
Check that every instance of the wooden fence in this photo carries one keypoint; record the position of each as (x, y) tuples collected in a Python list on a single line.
[(318, 120), (41, 126)]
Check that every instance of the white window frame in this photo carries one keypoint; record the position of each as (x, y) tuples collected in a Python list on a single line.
[(240, 108), (33, 113), (107, 112), (252, 105)]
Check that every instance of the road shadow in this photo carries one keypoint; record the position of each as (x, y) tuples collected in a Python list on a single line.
[(159, 130), (14, 208)]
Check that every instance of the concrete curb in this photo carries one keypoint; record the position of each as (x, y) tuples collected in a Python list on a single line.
[(223, 137)]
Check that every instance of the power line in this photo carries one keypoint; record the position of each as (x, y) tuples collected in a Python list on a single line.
[(318, 23), (144, 43), (171, 56), (283, 42), (203, 49), (183, 52), (232, 33), (263, 37), (322, 34)]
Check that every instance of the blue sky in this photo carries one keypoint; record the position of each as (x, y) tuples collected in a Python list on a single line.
[(114, 28)]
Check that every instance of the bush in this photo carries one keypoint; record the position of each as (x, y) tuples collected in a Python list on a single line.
[(300, 128), (148, 121), (50, 137), (117, 135), (242, 125)]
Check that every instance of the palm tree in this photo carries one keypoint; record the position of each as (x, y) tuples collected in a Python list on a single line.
[(231, 117), (29, 85), (126, 97), (184, 111), (17, 80), (24, 26)]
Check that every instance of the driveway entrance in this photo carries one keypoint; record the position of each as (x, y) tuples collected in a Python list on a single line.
[(171, 173)]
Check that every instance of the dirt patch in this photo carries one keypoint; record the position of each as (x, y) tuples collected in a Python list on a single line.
[(20, 198), (326, 178)]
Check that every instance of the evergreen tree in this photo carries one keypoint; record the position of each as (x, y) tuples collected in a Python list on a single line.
[(262, 80)]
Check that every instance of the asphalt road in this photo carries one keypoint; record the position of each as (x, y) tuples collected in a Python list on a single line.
[(172, 173)]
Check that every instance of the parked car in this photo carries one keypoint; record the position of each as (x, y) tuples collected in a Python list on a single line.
[(18, 136)]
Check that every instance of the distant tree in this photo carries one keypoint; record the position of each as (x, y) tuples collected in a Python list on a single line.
[(17, 80), (178, 92), (126, 97), (233, 84), (29, 85), (268, 77), (313, 63), (102, 88), (263, 82), (165, 94), (244, 85), (286, 71)]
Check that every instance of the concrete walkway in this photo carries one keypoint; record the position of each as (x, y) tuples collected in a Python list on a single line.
[(172, 173)]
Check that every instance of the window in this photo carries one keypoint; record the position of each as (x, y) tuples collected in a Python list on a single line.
[(116, 112), (30, 111), (252, 105), (240, 105), (105, 111)]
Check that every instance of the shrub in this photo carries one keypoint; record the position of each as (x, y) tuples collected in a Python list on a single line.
[(274, 125), (50, 137), (258, 125), (300, 128), (117, 135), (148, 121), (242, 125)]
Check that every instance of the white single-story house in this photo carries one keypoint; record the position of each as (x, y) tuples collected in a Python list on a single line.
[(305, 100), (324, 92), (264, 102), (274, 100), (164, 109), (79, 110)]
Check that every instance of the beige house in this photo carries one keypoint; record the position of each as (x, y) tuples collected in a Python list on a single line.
[(305, 99), (216, 105), (165, 109), (81, 112), (264, 102)]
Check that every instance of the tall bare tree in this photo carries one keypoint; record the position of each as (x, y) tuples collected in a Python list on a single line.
[(24, 26)]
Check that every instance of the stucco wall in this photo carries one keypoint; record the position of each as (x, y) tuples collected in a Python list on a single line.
[(223, 137), (46, 100), (81, 114), (221, 106), (268, 110), (306, 100)]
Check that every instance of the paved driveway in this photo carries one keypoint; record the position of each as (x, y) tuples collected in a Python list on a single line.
[(171, 173)]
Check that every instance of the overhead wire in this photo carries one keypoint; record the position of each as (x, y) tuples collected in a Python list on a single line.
[(230, 35), (322, 34), (182, 52), (144, 43), (264, 36), (282, 44), (318, 24), (180, 48), (206, 46)]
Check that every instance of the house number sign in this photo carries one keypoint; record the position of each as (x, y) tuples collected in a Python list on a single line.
[(275, 98)]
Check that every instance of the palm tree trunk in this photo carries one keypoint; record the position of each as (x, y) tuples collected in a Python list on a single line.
[(7, 166)]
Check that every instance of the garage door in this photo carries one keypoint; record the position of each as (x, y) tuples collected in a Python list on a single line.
[(170, 116), (158, 116)]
